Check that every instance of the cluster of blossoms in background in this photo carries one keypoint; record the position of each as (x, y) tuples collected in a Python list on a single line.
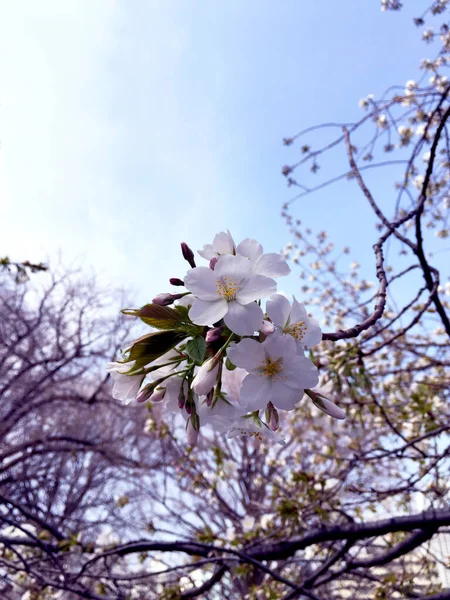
[(218, 358)]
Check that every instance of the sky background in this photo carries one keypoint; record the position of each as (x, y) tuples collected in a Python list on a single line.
[(127, 127)]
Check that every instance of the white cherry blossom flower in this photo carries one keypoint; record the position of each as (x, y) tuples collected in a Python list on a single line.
[(276, 372), (271, 265), (228, 292), (293, 320), (126, 387)]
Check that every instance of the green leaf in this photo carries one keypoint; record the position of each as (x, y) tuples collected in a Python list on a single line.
[(153, 345), (160, 317), (195, 349)]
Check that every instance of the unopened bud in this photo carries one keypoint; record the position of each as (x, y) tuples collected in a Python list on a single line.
[(188, 254), (192, 430), (158, 394), (272, 418), (325, 405), (176, 281), (145, 393), (267, 327), (206, 377), (213, 262), (166, 299), (181, 397), (214, 335), (163, 299)]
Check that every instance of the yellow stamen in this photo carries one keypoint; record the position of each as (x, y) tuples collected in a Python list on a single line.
[(227, 288), (297, 330), (271, 368)]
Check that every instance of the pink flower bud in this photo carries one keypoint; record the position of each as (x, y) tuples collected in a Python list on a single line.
[(181, 397), (164, 299), (272, 417), (188, 254), (145, 393), (325, 405), (206, 377), (158, 394), (267, 327), (214, 335), (212, 262), (191, 433), (176, 281)]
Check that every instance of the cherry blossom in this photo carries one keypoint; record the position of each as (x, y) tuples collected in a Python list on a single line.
[(293, 320), (276, 372), (126, 386), (228, 292)]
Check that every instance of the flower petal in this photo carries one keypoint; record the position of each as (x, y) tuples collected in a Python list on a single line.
[(255, 287), (280, 346), (313, 334), (255, 392), (207, 313), (284, 397), (223, 244), (250, 249), (278, 309), (202, 282), (243, 320), (247, 354), (271, 265), (301, 373), (236, 267), (298, 312)]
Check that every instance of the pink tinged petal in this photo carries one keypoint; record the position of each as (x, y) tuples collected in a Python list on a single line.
[(255, 392), (207, 313), (248, 354), (271, 265), (278, 309), (267, 327), (236, 267), (255, 287), (280, 346), (250, 249), (298, 312), (207, 252), (243, 320), (202, 282), (329, 408), (223, 243), (284, 397), (301, 373), (126, 387)]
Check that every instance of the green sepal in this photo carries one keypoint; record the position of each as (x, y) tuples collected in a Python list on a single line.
[(195, 349), (229, 365)]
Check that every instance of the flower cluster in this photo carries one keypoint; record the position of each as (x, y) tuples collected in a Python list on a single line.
[(217, 357)]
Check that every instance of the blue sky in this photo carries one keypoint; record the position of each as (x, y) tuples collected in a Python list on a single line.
[(127, 127)]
